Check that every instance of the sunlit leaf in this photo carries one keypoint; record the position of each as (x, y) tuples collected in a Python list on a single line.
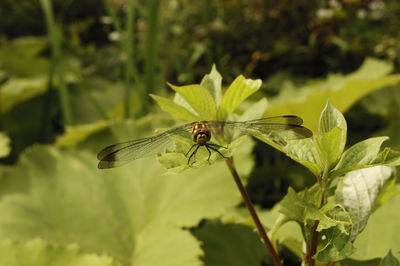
[(176, 110), (212, 82), (358, 192), (343, 91), (70, 201), (237, 92), (39, 252), (199, 99), (359, 156), (78, 133), (380, 235), (329, 147)]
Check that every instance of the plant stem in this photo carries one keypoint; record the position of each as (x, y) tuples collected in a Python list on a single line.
[(312, 246), (151, 45), (249, 205), (57, 60)]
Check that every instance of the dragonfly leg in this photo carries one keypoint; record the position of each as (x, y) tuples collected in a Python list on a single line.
[(216, 145), (217, 151), (193, 155), (190, 149), (209, 154)]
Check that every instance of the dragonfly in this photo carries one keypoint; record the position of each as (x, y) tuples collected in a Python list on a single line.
[(119, 154)]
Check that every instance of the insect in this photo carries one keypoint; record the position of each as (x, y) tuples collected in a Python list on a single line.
[(122, 153)]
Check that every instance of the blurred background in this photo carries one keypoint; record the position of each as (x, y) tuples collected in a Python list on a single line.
[(68, 68)]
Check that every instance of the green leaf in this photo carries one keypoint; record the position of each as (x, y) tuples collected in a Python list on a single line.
[(329, 146), (255, 111), (331, 118), (212, 82), (304, 152), (343, 91), (230, 244), (358, 192), (18, 90), (237, 92), (76, 134), (380, 234), (67, 200), (39, 252), (175, 109), (199, 99), (361, 155), (335, 245), (389, 260), (166, 245), (4, 145)]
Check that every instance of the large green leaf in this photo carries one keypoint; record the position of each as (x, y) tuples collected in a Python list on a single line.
[(358, 191), (69, 200), (39, 252), (342, 91), (381, 233), (237, 92), (230, 244)]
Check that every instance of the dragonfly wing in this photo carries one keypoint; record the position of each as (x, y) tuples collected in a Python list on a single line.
[(122, 153)]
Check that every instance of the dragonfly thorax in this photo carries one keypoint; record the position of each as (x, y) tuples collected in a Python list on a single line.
[(201, 133)]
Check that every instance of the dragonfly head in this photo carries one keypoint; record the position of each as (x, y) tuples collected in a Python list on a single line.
[(200, 132)]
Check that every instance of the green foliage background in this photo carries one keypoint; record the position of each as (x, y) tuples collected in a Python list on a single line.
[(76, 76)]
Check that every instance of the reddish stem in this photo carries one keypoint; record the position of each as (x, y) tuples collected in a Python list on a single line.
[(249, 205)]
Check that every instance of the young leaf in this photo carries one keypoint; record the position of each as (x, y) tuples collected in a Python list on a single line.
[(329, 146), (358, 192), (255, 111), (175, 109), (330, 118), (304, 152), (360, 155), (237, 92), (389, 260), (40, 252), (212, 82), (199, 99)]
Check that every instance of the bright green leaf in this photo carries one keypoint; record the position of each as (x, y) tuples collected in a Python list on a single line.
[(330, 118), (329, 146), (39, 252), (381, 233), (358, 192), (70, 201), (230, 244), (176, 110), (166, 245), (212, 82), (255, 111), (359, 156), (237, 92), (343, 91), (304, 152), (4, 145), (199, 99), (78, 133)]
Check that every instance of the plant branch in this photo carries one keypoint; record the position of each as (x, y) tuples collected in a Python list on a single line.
[(249, 205)]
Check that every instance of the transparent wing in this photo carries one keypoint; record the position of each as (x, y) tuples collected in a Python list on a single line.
[(122, 153), (266, 126)]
